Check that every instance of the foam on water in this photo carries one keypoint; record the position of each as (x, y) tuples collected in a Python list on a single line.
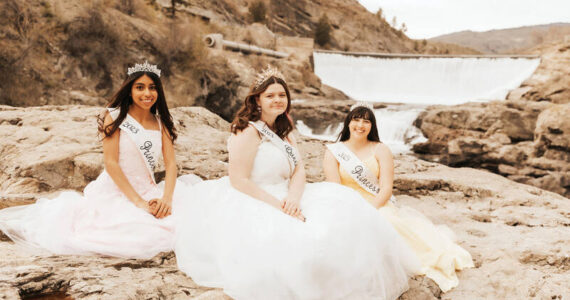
[(394, 128)]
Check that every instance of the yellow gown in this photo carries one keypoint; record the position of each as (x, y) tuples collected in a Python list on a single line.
[(439, 255)]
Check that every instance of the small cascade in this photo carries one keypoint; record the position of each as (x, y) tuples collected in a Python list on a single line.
[(394, 127)]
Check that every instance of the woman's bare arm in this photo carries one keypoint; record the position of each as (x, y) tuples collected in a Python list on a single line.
[(330, 167), (242, 150), (111, 160), (386, 162)]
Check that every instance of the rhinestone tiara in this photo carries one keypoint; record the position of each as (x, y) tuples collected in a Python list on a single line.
[(266, 74), (146, 67), (363, 104)]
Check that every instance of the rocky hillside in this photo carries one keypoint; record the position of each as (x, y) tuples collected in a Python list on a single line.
[(507, 41), (60, 52), (515, 233), (525, 138)]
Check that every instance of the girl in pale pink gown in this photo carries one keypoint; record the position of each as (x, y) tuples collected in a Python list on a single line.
[(122, 213)]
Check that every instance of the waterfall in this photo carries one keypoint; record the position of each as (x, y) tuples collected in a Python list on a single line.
[(415, 82), (423, 80)]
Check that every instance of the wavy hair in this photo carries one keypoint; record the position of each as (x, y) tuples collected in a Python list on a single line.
[(360, 112), (122, 100), (249, 110)]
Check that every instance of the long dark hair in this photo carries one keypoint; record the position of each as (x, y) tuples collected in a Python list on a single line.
[(250, 112), (360, 112), (122, 100)]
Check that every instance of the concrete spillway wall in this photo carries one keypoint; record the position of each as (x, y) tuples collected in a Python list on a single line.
[(423, 79)]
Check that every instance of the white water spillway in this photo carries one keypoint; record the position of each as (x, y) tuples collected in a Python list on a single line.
[(423, 79)]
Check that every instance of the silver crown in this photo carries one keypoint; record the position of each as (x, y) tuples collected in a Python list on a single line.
[(266, 74), (363, 104), (146, 67)]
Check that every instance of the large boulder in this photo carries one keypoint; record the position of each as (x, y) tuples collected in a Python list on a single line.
[(553, 129), (525, 141), (550, 82)]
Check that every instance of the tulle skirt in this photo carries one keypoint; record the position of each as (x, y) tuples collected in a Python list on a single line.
[(434, 245), (101, 221), (227, 239)]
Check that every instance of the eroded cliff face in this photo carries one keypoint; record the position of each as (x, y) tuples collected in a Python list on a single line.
[(523, 138), (55, 52), (515, 233)]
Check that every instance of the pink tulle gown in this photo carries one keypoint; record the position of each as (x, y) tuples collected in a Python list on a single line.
[(102, 220)]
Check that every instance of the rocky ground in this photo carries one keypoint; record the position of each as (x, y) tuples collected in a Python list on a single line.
[(525, 138), (518, 234)]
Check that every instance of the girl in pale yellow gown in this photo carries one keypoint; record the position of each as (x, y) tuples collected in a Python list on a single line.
[(439, 255)]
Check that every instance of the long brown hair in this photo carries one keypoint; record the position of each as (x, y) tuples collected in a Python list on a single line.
[(122, 100), (360, 112), (250, 112)]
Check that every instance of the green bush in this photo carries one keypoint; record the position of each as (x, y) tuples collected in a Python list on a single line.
[(257, 11), (323, 31)]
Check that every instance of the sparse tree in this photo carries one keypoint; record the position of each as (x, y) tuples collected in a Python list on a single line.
[(404, 28), (257, 11), (394, 22), (323, 31), (380, 14)]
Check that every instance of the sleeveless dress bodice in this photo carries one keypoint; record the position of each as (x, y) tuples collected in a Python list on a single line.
[(270, 166), (132, 164)]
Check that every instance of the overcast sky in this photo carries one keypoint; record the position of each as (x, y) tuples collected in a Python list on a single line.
[(430, 18)]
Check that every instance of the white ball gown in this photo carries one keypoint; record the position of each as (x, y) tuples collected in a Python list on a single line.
[(225, 238), (102, 220)]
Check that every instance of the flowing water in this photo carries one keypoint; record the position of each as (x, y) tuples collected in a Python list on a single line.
[(412, 83)]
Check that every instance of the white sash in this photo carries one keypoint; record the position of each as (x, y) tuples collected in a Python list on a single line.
[(135, 130), (290, 151), (355, 167)]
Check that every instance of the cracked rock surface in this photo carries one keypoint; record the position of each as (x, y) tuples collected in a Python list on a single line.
[(518, 235)]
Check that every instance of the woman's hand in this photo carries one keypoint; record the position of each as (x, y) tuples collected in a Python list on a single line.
[(291, 206), (143, 205), (160, 208)]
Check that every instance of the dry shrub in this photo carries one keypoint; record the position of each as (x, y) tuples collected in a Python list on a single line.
[(18, 84), (182, 48), (323, 31), (126, 6), (17, 17), (142, 9), (257, 11), (96, 44)]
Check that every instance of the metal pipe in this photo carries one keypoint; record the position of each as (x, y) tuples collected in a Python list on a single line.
[(217, 41)]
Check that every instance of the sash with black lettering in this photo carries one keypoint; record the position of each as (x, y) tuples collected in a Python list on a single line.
[(138, 135), (355, 167), (290, 151)]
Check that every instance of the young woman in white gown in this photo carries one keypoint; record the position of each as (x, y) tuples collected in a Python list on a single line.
[(359, 143), (123, 212), (262, 233)]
